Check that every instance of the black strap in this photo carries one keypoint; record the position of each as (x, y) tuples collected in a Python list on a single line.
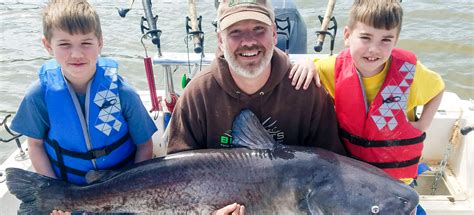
[(60, 163), (66, 169), (95, 153), (356, 140), (395, 164)]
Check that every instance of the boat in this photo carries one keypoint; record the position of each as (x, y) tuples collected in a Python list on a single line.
[(447, 187)]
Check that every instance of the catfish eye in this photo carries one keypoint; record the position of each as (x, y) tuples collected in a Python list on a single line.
[(375, 209)]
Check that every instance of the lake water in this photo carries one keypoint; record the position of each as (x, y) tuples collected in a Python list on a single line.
[(440, 32)]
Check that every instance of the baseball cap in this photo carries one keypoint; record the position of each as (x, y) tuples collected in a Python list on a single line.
[(230, 12)]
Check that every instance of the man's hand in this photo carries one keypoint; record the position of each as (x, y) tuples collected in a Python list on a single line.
[(233, 209)]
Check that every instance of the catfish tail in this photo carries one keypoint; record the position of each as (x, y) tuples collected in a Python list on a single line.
[(26, 186)]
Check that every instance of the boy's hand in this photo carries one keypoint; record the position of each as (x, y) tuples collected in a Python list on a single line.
[(418, 126), (56, 212), (302, 73)]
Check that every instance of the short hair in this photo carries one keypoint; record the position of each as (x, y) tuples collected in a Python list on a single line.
[(380, 14), (72, 16)]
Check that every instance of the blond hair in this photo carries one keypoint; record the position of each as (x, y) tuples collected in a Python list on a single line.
[(380, 14), (72, 16)]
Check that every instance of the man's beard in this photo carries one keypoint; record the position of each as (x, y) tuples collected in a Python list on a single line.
[(241, 70)]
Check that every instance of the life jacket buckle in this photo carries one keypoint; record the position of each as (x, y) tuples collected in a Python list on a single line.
[(97, 153)]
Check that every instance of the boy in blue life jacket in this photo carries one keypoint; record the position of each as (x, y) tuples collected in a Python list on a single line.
[(376, 88), (81, 115)]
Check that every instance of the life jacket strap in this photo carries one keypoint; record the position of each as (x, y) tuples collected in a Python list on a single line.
[(95, 153), (395, 164), (65, 169), (360, 141), (60, 162)]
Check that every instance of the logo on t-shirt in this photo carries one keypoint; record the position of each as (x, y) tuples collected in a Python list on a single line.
[(225, 139), (272, 128)]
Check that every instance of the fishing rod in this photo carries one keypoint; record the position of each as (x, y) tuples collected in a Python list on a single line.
[(153, 32), (196, 35), (195, 27), (150, 30), (321, 34), (171, 97)]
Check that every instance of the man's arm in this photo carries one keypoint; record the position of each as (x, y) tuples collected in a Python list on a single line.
[(38, 157)]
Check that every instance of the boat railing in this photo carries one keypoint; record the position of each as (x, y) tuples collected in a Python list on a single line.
[(12, 136)]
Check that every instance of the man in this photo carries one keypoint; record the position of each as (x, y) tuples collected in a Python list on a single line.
[(250, 73)]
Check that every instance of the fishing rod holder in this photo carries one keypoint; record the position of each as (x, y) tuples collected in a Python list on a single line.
[(319, 45), (14, 137), (154, 34), (198, 47), (155, 39), (150, 29), (284, 31)]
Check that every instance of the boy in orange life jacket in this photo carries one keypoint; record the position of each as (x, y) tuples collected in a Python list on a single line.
[(376, 88)]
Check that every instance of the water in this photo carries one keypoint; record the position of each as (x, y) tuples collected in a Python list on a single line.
[(440, 32)]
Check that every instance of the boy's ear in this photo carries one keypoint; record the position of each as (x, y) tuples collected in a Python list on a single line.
[(101, 44), (47, 46), (346, 34)]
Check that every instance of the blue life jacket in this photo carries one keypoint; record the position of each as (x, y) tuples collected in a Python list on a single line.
[(94, 140)]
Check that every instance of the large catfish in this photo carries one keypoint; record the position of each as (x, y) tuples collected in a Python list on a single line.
[(266, 177)]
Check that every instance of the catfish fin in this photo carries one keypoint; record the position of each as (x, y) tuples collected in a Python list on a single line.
[(247, 131)]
